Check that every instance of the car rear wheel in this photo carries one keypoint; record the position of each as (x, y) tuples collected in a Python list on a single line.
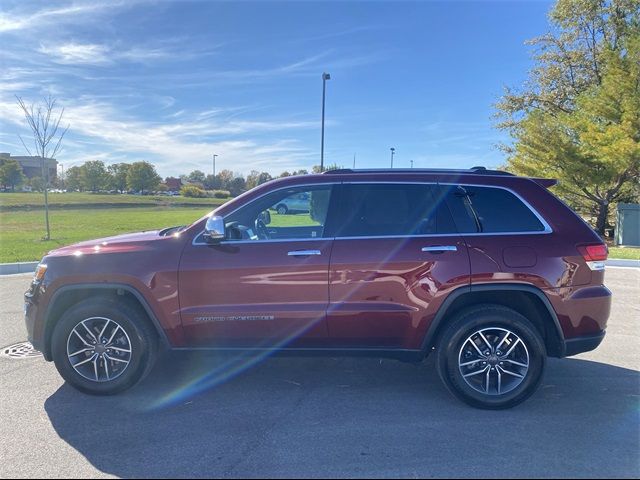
[(282, 209), (491, 357), (103, 346)]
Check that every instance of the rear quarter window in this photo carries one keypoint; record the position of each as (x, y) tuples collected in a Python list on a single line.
[(491, 210)]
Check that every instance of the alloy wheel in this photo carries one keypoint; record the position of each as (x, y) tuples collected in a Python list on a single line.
[(99, 349), (493, 361)]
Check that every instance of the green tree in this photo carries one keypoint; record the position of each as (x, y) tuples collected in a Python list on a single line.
[(142, 176), (224, 179), (11, 174), (36, 183), (73, 179), (237, 186), (264, 177), (577, 118), (197, 176), (118, 176), (211, 182), (252, 179), (94, 176)]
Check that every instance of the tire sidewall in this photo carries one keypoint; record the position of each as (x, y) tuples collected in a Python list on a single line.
[(456, 335), (126, 317)]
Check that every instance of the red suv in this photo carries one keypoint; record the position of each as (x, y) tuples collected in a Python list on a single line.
[(489, 270)]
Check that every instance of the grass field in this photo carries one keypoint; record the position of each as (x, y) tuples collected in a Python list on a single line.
[(624, 253), (21, 201), (21, 232)]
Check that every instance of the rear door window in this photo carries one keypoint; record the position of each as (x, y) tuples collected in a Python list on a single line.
[(490, 210), (371, 210)]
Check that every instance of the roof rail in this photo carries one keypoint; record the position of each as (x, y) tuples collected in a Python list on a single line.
[(470, 171)]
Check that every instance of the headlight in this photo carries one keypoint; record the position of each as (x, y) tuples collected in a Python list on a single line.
[(41, 269)]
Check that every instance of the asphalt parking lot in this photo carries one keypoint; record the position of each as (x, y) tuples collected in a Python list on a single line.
[(330, 417)]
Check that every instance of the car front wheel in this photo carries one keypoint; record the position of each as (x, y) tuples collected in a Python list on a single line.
[(103, 346), (491, 357)]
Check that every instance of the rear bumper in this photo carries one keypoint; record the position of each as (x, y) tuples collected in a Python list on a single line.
[(582, 314), (574, 346)]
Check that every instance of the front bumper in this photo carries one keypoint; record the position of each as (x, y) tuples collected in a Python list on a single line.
[(35, 332)]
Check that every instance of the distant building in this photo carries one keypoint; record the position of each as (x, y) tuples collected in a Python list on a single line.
[(32, 166), (173, 184)]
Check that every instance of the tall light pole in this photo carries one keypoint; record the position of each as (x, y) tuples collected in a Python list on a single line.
[(214, 165), (325, 77), (393, 152)]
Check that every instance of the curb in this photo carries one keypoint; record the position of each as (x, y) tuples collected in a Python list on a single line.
[(20, 267), (30, 267)]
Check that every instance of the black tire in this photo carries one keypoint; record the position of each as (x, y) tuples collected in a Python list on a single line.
[(485, 318), (139, 332), (282, 209)]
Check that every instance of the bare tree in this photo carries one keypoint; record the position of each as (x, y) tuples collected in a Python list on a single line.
[(44, 123)]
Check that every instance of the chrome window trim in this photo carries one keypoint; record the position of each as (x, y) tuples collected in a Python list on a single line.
[(545, 224), (256, 242), (547, 228)]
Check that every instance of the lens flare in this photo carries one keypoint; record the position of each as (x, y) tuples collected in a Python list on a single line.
[(234, 364)]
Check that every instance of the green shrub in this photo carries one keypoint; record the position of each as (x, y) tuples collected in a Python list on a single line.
[(221, 194), (192, 191)]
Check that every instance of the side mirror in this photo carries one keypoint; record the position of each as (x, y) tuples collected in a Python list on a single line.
[(265, 216), (214, 230)]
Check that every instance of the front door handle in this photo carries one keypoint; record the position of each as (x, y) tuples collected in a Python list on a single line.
[(304, 253), (440, 248)]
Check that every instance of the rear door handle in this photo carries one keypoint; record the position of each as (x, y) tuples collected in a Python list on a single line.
[(304, 253), (440, 248)]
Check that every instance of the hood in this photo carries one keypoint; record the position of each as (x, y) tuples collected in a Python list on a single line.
[(117, 244)]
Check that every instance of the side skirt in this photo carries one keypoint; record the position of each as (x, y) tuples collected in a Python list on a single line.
[(412, 356)]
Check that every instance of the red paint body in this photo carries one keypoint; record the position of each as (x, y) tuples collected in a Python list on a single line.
[(367, 293)]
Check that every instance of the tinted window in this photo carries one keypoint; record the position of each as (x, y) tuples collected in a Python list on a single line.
[(490, 210), (392, 209)]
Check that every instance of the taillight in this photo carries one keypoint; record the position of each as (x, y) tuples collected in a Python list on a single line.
[(595, 255)]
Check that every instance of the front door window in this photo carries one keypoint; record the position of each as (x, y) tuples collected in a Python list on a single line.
[(288, 214)]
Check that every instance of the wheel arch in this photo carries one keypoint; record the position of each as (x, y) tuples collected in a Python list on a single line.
[(67, 296), (527, 300)]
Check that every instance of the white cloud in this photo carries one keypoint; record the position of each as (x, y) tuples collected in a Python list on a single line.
[(98, 54), (16, 21), (98, 130), (75, 53), (309, 66), (143, 55)]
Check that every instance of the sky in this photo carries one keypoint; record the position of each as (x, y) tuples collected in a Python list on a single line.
[(174, 82)]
